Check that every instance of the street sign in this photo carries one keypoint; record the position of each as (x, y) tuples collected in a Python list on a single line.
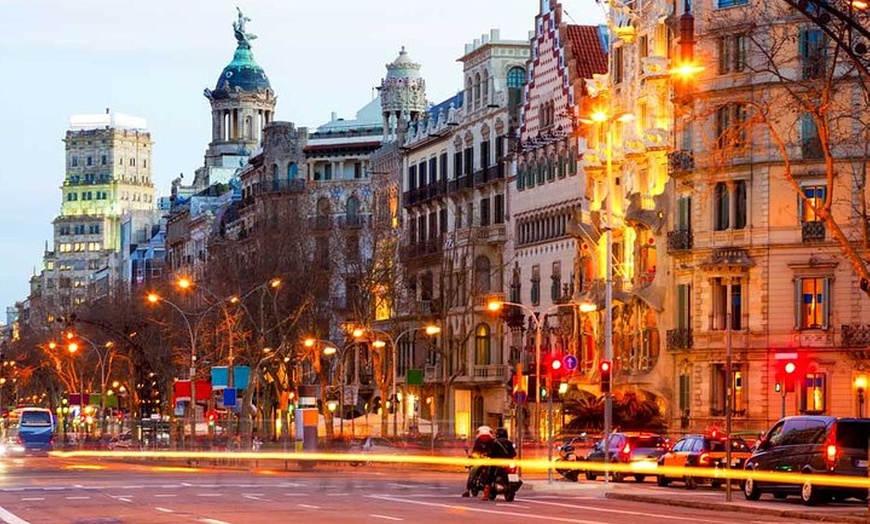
[(520, 397), (230, 397), (569, 362)]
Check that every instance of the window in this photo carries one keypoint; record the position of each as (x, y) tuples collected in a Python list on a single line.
[(443, 167), (618, 65), (684, 307), (684, 214), (79, 229), (718, 388), (89, 161), (721, 288), (724, 4), (813, 393), (72, 197), (104, 159), (556, 277), (457, 165), (484, 212), (732, 54), (412, 177), (433, 170), (75, 161), (815, 199), (484, 154), (731, 125), (811, 143), (498, 210), (327, 172), (536, 285), (482, 275), (730, 207), (812, 52), (469, 161), (482, 345), (812, 302), (94, 229), (422, 177), (352, 211), (516, 77)]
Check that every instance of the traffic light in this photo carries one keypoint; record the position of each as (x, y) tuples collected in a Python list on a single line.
[(789, 368), (211, 417), (604, 369)]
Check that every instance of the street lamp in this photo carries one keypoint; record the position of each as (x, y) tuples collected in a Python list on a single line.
[(73, 347), (430, 330), (860, 388), (155, 298), (496, 305)]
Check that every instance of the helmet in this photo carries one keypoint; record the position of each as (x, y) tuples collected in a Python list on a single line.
[(501, 433), (484, 430)]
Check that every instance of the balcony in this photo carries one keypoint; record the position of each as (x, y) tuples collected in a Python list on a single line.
[(855, 335), (491, 372), (680, 338), (432, 373), (420, 249), (680, 163), (642, 210), (679, 240), (353, 221), (296, 185), (812, 231)]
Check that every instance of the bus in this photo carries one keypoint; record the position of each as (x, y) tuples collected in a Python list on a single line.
[(29, 430)]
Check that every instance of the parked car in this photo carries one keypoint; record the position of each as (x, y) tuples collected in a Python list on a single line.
[(705, 451), (639, 449), (811, 446)]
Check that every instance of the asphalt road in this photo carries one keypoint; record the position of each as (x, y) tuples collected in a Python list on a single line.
[(58, 491)]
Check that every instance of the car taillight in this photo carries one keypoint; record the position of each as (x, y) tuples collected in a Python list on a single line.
[(831, 450), (626, 451), (704, 459)]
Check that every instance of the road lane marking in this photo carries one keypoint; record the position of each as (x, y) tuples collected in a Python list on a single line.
[(668, 518), (213, 521), (164, 495), (32, 499), (209, 495), (471, 509), (385, 517), (164, 510), (10, 518), (308, 506), (77, 498)]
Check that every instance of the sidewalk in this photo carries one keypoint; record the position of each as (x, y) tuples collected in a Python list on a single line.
[(704, 499)]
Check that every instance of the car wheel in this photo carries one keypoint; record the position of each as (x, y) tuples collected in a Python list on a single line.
[(573, 476), (750, 490), (639, 478), (617, 477), (509, 496), (591, 476), (810, 495), (662, 481), (691, 483), (716, 484)]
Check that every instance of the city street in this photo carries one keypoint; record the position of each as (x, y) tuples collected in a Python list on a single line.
[(52, 490)]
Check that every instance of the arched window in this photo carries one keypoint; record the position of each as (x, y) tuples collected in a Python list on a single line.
[(468, 98), (482, 345), (477, 89), (292, 171), (352, 211), (486, 87), (275, 180), (482, 277), (516, 77)]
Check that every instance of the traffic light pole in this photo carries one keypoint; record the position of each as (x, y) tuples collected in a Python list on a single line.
[(550, 427)]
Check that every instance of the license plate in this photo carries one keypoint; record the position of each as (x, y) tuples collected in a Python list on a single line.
[(513, 477), (862, 463), (735, 463)]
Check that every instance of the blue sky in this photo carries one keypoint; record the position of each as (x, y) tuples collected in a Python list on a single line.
[(154, 58)]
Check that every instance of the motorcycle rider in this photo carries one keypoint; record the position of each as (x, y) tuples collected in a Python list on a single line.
[(483, 442), (501, 448)]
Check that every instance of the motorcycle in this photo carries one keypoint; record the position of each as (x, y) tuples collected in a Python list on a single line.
[(506, 482), (566, 454)]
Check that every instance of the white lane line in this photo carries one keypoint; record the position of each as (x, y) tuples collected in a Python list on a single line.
[(209, 495), (385, 517), (77, 498), (308, 506), (164, 495), (164, 510), (32, 499), (125, 499), (11, 518), (213, 521), (258, 498), (471, 509), (668, 518)]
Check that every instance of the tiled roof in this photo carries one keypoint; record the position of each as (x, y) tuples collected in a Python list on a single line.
[(588, 49)]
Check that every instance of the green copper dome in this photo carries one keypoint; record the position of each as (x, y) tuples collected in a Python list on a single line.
[(243, 73)]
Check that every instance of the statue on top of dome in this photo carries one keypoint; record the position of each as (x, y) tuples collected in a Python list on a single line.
[(239, 29)]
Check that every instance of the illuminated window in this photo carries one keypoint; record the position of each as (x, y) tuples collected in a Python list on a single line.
[(812, 302), (815, 198), (482, 345), (813, 393), (719, 386)]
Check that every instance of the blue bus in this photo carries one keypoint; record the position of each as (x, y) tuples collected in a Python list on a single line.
[(29, 430)]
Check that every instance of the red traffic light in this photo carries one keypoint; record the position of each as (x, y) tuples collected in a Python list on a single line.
[(556, 364), (604, 369), (790, 367)]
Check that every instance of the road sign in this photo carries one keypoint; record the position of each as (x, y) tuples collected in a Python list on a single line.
[(569, 362)]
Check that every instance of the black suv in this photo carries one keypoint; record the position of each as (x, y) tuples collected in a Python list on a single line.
[(640, 450), (810, 446)]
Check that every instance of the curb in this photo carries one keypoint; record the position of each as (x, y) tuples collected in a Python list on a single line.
[(785, 513)]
